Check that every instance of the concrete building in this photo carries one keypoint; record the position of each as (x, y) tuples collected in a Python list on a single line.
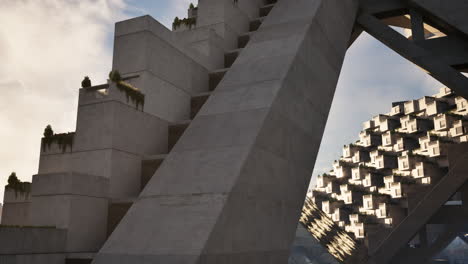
[(203, 150), (132, 135), (383, 192)]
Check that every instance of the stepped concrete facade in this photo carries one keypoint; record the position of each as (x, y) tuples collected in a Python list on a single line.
[(202, 151)]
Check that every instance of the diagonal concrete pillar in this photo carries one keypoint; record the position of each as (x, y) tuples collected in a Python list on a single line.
[(232, 189)]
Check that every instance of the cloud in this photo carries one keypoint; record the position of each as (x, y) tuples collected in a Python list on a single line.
[(373, 76), (46, 48)]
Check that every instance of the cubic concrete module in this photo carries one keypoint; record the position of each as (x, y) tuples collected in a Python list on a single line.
[(202, 151), (396, 184)]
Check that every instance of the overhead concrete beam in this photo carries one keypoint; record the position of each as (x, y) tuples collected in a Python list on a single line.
[(414, 53), (451, 50), (450, 16), (384, 8)]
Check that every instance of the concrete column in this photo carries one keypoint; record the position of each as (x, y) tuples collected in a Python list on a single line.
[(232, 189)]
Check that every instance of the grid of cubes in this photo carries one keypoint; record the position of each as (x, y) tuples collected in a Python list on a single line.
[(397, 157)]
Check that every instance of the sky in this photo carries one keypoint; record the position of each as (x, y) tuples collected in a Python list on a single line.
[(47, 46)]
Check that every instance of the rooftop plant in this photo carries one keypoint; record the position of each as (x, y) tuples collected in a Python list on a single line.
[(189, 22), (48, 132), (86, 83), (176, 23), (17, 185), (134, 94), (63, 140)]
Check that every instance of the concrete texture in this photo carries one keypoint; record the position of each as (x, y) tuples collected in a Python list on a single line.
[(75, 202), (16, 208), (226, 18), (169, 75), (233, 186), (32, 258), (111, 139), (21, 241)]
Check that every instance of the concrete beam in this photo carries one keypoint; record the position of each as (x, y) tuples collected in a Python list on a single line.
[(417, 25), (451, 50), (384, 8), (450, 17), (414, 53)]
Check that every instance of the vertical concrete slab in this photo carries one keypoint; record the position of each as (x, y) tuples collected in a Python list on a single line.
[(232, 189)]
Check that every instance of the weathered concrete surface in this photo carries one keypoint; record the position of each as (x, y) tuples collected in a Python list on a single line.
[(75, 202), (16, 208), (111, 138), (232, 188), (18, 241), (226, 18), (168, 75), (33, 259)]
